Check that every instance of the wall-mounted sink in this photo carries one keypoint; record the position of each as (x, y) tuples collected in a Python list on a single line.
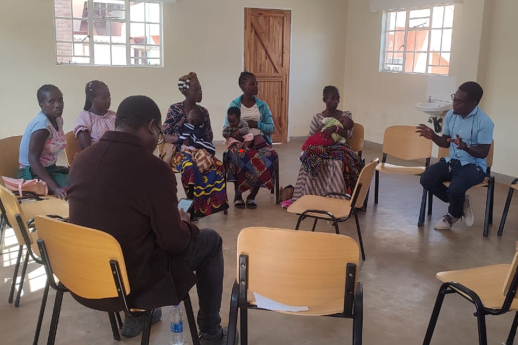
[(435, 107)]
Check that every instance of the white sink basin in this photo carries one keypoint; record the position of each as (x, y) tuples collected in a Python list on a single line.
[(434, 108)]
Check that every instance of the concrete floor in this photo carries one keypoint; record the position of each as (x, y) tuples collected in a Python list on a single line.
[(398, 276)]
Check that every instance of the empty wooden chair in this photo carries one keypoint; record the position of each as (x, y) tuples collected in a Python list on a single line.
[(404, 143), (357, 140), (492, 289), (316, 272), (336, 210)]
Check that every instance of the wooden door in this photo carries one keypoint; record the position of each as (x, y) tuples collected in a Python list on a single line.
[(267, 55)]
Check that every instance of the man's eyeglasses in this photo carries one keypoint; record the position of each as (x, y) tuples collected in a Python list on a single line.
[(160, 134), (457, 100)]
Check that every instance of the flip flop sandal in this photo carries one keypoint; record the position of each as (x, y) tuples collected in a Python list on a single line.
[(250, 203), (239, 203)]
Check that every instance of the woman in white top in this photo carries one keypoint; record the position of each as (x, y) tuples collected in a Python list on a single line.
[(251, 169)]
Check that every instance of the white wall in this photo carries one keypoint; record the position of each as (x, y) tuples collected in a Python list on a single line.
[(204, 36), (501, 84)]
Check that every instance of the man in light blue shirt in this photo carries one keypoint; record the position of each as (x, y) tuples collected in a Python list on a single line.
[(468, 132)]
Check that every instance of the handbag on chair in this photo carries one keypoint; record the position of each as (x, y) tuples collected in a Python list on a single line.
[(20, 185)]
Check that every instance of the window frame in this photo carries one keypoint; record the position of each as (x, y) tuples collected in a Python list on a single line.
[(384, 53), (128, 45)]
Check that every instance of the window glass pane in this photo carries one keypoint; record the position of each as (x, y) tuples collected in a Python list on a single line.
[(420, 63), (118, 32), (446, 40), (109, 9), (445, 59), (62, 8), (137, 11), (102, 54), (119, 55), (401, 20), (417, 40), (438, 14), (399, 41), (434, 59), (153, 62), (83, 60), (64, 59), (153, 12), (80, 30), (65, 49), (391, 20), (448, 16), (81, 49), (64, 29), (389, 41), (153, 33), (153, 52), (435, 44), (409, 62), (137, 51), (419, 13), (80, 9), (419, 23), (101, 31), (138, 33)]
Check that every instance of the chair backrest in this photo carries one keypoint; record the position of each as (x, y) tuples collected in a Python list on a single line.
[(298, 268), (12, 209), (356, 141), (80, 258), (364, 179), (511, 273), (72, 147), (9, 156), (404, 143), (445, 152)]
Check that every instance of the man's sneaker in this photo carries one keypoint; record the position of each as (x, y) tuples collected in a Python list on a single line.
[(133, 325), (468, 216), (445, 222), (219, 338)]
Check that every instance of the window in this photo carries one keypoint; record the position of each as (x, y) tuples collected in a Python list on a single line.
[(418, 40), (108, 32)]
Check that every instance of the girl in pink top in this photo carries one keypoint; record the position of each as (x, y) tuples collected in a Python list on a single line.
[(96, 118)]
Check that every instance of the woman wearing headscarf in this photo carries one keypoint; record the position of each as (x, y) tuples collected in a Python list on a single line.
[(207, 188)]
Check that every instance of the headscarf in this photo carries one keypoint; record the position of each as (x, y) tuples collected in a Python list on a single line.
[(185, 82)]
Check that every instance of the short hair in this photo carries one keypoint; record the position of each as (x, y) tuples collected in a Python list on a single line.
[(136, 112), (198, 116), (244, 76), (234, 111), (328, 90), (91, 89), (42, 92), (473, 89)]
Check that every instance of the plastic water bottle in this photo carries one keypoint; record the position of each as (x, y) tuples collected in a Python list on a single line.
[(177, 325)]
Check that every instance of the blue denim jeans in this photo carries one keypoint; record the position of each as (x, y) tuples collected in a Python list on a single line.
[(462, 178)]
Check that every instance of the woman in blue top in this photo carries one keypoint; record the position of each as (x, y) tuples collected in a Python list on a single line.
[(253, 168)]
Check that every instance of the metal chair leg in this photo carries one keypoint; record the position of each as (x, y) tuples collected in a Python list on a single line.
[(492, 202), (22, 280), (430, 203), (42, 312), (146, 332), (3, 226), (376, 186), (358, 229), (277, 181), (15, 275), (115, 329), (487, 212), (190, 319), (314, 224), (435, 314), (119, 320), (512, 331), (358, 315), (506, 210), (298, 223), (481, 322), (55, 316), (422, 210), (233, 314)]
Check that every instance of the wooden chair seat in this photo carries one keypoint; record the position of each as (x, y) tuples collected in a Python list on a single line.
[(400, 169), (53, 206), (339, 208), (329, 308), (486, 282)]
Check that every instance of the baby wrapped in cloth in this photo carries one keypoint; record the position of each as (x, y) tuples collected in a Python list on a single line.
[(319, 138)]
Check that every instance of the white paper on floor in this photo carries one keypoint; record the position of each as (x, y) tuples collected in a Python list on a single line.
[(266, 303)]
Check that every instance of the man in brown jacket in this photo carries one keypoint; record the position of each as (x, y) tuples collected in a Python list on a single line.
[(120, 187)]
